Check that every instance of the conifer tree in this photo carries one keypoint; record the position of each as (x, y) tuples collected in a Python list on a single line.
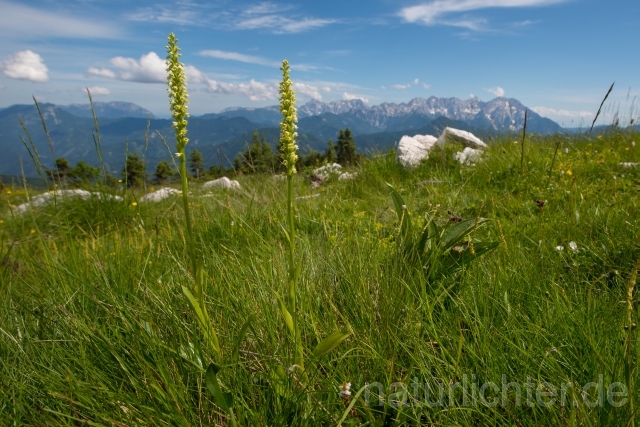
[(134, 171), (346, 150), (163, 172), (196, 163)]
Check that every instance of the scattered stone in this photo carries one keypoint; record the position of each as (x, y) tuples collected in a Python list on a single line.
[(413, 149), (469, 156), (51, 197), (161, 194), (463, 137), (223, 182)]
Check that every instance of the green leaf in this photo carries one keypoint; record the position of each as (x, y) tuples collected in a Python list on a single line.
[(285, 314), (242, 333), (403, 214), (223, 400), (329, 343), (203, 319), (457, 233), (279, 380)]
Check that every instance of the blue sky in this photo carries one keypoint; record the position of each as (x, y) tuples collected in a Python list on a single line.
[(557, 57)]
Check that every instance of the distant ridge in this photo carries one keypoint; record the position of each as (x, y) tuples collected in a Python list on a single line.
[(499, 114), (108, 110)]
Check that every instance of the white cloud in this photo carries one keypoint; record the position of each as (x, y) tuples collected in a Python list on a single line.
[(250, 59), (401, 87), (18, 21), (351, 96), (544, 111), (271, 16), (435, 12), (416, 81), (496, 91), (309, 90), (326, 89), (241, 57), (255, 91), (150, 68), (383, 87), (166, 14), (25, 65), (281, 24), (426, 85), (97, 90)]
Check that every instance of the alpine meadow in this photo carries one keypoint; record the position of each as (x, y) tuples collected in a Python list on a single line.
[(330, 287)]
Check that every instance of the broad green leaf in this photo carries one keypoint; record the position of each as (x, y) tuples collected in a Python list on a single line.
[(223, 400), (278, 378), (329, 343), (285, 314), (458, 232), (203, 318)]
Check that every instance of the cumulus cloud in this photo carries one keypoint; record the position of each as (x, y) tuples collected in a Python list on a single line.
[(254, 90), (150, 68), (309, 90), (426, 85), (351, 96), (544, 111), (416, 81), (496, 91), (25, 65), (439, 12), (97, 90)]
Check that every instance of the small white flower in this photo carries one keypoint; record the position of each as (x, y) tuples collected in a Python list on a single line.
[(404, 207), (633, 143), (573, 245), (345, 389), (566, 151), (559, 248), (233, 223)]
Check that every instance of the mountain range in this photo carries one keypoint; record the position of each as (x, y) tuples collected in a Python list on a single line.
[(221, 136)]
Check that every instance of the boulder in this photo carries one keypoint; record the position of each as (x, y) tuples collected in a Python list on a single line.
[(160, 194), (461, 136), (223, 182), (412, 149)]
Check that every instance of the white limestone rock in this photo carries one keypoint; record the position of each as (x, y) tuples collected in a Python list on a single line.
[(223, 182), (161, 194), (463, 137), (58, 196), (469, 156), (413, 149)]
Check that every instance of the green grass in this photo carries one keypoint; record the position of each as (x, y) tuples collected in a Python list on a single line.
[(95, 329)]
